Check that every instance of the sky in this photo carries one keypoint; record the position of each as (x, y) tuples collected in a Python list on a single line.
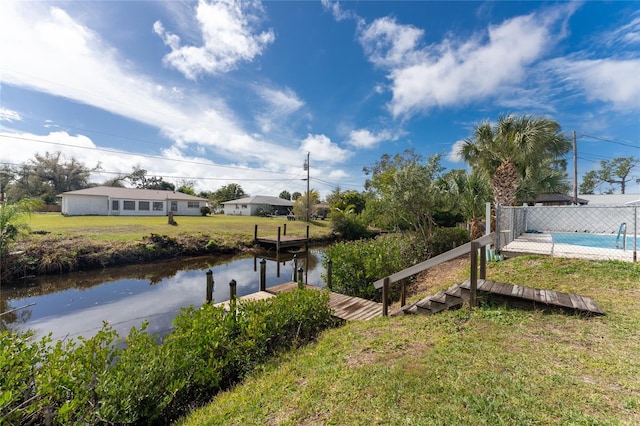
[(242, 91)]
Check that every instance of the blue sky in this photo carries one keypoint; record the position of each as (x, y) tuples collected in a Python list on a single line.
[(240, 92)]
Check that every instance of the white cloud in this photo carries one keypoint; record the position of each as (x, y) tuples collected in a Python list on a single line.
[(388, 44), (337, 174), (280, 104), (612, 81), (322, 149), (229, 36), (9, 115), (363, 138), (454, 154), (338, 12)]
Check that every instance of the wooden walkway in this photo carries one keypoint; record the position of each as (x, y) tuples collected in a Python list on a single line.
[(344, 307), (538, 296)]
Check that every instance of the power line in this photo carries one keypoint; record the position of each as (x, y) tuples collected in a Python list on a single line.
[(603, 139)]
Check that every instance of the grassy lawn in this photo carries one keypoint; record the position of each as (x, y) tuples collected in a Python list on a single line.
[(494, 366), (133, 228)]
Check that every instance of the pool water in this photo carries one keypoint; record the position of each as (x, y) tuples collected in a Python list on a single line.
[(590, 240)]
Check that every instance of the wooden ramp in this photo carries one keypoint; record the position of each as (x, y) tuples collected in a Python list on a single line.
[(344, 307), (538, 296), (518, 295)]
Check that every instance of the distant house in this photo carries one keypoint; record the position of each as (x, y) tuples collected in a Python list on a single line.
[(556, 200), (256, 205), (111, 201)]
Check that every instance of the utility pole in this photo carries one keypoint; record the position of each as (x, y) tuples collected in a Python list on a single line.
[(575, 169), (306, 167)]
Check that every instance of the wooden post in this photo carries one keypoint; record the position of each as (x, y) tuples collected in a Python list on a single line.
[(209, 286), (300, 284), (263, 275), (385, 297), (255, 234), (295, 268), (483, 262), (473, 279), (329, 272), (232, 289), (284, 229), (403, 293), (278, 244)]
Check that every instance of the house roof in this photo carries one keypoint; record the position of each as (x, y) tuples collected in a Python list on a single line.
[(261, 199), (134, 193), (558, 198), (612, 199)]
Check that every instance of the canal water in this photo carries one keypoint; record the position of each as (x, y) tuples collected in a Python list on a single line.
[(77, 304)]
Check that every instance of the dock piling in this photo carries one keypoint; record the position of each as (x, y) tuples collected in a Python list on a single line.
[(209, 286), (263, 275), (300, 284)]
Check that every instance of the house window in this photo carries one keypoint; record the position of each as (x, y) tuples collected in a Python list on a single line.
[(128, 205), (174, 206), (244, 206), (158, 206), (193, 204), (115, 205), (143, 205)]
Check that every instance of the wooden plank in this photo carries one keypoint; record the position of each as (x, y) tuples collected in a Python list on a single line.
[(564, 300), (552, 297), (538, 296), (577, 302), (591, 304), (515, 290), (528, 293), (501, 288), (488, 285), (260, 295)]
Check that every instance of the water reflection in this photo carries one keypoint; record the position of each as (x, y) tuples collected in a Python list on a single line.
[(77, 304)]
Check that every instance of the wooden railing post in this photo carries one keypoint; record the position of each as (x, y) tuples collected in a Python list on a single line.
[(278, 244), (483, 262), (473, 279), (263, 275), (255, 233), (209, 286), (284, 229), (403, 292), (329, 272), (385, 297)]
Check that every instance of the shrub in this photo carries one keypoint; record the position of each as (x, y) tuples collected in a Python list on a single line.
[(205, 210), (90, 381), (350, 226), (358, 264)]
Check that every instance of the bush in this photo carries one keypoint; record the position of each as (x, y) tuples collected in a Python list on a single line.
[(349, 226), (95, 380), (358, 264), (205, 210)]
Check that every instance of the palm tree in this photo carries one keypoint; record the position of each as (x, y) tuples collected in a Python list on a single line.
[(517, 150), (467, 193)]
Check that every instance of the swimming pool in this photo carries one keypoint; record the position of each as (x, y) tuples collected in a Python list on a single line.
[(590, 240)]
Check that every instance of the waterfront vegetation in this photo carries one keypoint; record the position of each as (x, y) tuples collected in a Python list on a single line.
[(495, 365), (147, 381)]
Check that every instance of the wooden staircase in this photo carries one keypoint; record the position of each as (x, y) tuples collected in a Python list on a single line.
[(455, 296)]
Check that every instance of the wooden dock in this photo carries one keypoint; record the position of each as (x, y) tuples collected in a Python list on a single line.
[(281, 240), (260, 295), (344, 307)]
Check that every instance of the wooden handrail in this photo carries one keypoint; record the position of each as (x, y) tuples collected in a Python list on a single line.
[(435, 261), (471, 247)]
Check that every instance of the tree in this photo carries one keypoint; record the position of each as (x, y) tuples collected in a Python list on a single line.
[(12, 226), (138, 178), (517, 153), (614, 172), (341, 199), (467, 193), (48, 175), (295, 196), (233, 191), (7, 176), (300, 205), (285, 195), (186, 186), (403, 191)]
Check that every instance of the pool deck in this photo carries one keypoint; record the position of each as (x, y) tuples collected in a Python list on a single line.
[(543, 244)]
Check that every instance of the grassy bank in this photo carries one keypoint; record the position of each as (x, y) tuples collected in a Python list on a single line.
[(60, 244), (133, 228), (496, 365)]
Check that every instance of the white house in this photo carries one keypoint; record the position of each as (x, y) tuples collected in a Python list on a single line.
[(111, 201), (251, 206)]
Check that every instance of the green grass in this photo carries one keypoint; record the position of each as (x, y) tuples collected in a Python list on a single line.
[(133, 228), (494, 366)]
